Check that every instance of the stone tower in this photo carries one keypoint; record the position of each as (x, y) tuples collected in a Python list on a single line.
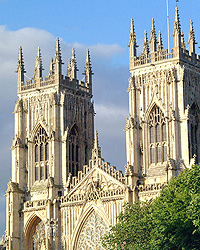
[(54, 131), (162, 130)]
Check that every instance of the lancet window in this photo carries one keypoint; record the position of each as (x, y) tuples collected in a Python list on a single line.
[(157, 136), (41, 155), (73, 151)]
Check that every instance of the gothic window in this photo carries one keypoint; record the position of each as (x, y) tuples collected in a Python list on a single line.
[(157, 136), (73, 151), (92, 232), (194, 131), (41, 155)]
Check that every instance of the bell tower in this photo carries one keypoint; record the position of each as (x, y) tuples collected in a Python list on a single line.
[(162, 129), (54, 131)]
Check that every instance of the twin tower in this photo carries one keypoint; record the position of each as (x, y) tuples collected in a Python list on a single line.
[(62, 194)]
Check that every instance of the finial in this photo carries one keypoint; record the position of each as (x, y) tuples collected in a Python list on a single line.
[(96, 141), (160, 43), (96, 152), (73, 63), (153, 41), (177, 29), (20, 63), (153, 24), (38, 65), (58, 51), (132, 31), (58, 59), (69, 68), (146, 43), (192, 40), (51, 67), (182, 40), (88, 71)]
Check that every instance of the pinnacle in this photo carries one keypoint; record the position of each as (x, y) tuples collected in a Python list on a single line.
[(160, 43), (191, 25), (20, 61), (96, 140), (145, 36), (88, 56), (153, 24), (132, 31)]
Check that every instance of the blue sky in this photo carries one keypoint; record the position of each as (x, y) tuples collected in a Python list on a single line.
[(103, 27)]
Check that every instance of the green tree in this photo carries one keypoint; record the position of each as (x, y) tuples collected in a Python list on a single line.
[(132, 230), (171, 221)]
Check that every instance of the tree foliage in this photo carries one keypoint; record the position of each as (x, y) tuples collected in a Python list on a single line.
[(171, 221)]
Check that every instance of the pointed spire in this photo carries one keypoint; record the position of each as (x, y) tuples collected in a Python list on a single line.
[(20, 70), (182, 40), (153, 41), (132, 41), (20, 63), (191, 41), (38, 65), (69, 68), (51, 67), (177, 29), (73, 63), (160, 43), (96, 152), (88, 72), (58, 59), (145, 44)]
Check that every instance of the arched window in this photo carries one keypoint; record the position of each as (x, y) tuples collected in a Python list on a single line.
[(73, 151), (194, 131), (157, 136), (41, 155)]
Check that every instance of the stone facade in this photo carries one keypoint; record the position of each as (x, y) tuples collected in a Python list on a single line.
[(62, 194)]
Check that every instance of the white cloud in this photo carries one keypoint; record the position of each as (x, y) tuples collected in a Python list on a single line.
[(109, 91)]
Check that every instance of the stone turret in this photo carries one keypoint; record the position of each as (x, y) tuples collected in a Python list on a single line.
[(38, 65), (20, 70), (88, 72), (191, 41), (153, 40)]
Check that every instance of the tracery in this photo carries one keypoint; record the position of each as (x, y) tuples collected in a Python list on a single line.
[(157, 136), (41, 155)]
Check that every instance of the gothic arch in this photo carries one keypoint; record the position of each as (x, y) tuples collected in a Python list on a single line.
[(92, 211), (30, 229), (36, 128), (151, 107), (73, 150), (157, 136)]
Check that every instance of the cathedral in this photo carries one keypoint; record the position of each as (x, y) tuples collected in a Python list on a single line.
[(62, 194)]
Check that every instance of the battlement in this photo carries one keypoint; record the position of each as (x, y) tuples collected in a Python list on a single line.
[(153, 51), (55, 76)]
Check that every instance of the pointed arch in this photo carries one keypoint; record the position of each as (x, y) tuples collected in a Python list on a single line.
[(154, 103), (34, 223), (157, 135), (73, 150), (90, 213), (37, 127), (41, 153)]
